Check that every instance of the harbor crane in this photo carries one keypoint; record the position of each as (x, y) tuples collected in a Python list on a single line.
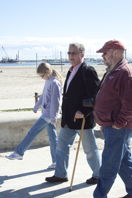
[(7, 59)]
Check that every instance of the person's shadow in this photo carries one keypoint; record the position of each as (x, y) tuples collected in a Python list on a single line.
[(25, 192), (3, 178)]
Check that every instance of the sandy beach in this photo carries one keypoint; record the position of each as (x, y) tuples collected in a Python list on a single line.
[(18, 85)]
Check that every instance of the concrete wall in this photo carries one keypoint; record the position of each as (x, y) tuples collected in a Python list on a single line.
[(15, 125)]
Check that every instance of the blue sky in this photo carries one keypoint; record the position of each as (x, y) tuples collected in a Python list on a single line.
[(46, 27)]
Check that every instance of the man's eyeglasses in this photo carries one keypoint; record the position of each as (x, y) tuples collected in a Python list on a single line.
[(104, 53), (72, 53)]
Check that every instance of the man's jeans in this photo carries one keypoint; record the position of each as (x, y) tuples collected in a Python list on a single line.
[(116, 158), (65, 140), (33, 132)]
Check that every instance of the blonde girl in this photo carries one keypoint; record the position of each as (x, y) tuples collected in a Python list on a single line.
[(50, 103)]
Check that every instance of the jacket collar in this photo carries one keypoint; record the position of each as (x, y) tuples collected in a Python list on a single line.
[(119, 65), (68, 74)]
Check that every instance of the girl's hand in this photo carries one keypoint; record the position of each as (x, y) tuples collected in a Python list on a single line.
[(53, 123), (34, 110)]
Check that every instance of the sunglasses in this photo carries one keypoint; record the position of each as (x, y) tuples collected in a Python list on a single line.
[(104, 53), (73, 53)]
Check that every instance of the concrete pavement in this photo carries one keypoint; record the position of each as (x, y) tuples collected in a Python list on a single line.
[(26, 178)]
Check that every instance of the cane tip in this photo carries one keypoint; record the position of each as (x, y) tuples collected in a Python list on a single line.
[(70, 190)]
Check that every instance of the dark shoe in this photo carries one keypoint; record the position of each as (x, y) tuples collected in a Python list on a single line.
[(54, 179), (92, 181), (127, 196)]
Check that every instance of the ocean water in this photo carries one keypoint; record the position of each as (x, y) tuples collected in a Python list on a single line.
[(37, 63)]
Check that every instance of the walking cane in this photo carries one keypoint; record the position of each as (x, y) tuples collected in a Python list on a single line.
[(77, 152)]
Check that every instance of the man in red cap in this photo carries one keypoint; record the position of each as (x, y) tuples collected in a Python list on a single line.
[(113, 111)]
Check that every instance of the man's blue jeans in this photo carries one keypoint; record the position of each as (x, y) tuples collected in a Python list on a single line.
[(33, 132), (65, 140), (116, 158)]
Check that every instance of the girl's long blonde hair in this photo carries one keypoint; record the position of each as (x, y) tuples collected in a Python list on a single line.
[(47, 68)]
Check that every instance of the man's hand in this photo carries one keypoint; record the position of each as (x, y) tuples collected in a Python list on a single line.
[(114, 127), (78, 115)]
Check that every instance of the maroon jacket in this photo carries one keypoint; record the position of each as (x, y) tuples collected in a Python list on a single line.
[(114, 100)]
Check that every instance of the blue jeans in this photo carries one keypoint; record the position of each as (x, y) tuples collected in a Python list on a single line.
[(33, 132), (116, 158), (65, 140)]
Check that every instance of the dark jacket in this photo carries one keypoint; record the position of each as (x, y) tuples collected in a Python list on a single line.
[(84, 85), (114, 100)]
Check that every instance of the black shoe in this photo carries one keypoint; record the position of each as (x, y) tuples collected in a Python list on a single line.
[(127, 196), (54, 179), (92, 181)]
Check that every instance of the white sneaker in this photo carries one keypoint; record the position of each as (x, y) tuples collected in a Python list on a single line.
[(52, 166), (14, 156)]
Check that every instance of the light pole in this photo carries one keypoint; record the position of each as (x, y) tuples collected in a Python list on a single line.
[(36, 60), (61, 61)]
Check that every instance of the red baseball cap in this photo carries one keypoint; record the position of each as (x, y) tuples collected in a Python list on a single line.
[(112, 44)]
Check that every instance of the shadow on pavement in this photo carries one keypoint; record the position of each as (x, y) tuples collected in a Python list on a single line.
[(3, 178), (25, 192)]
